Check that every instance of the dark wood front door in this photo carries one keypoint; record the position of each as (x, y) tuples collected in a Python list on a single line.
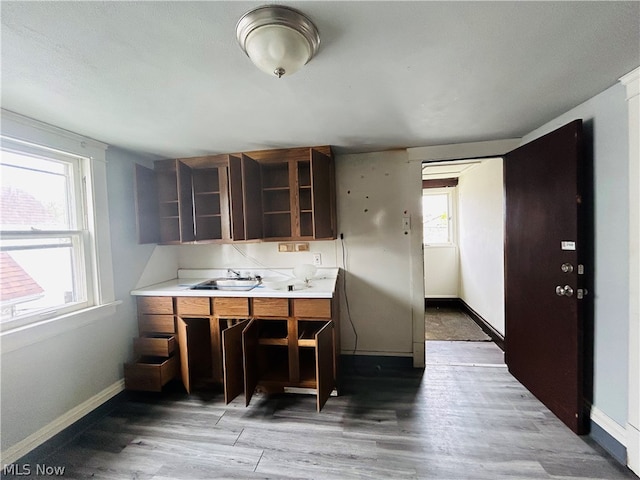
[(544, 264)]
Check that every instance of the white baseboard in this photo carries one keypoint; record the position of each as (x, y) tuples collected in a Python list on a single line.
[(36, 439), (613, 428)]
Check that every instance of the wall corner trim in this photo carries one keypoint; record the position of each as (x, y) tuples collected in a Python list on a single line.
[(631, 81), (633, 446), (613, 428), (37, 438)]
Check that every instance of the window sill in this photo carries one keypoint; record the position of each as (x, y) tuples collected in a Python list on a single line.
[(23, 336)]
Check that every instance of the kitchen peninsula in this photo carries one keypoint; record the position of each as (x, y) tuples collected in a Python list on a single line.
[(281, 336)]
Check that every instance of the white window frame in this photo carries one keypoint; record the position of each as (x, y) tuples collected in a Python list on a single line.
[(452, 195), (79, 235), (23, 134)]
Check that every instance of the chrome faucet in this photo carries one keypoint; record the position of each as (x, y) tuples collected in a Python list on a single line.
[(232, 271)]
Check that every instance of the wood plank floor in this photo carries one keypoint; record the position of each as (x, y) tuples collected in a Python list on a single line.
[(463, 417)]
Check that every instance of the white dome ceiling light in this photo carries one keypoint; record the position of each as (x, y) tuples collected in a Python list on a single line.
[(279, 40)]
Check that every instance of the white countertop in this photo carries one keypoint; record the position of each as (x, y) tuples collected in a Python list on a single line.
[(322, 285)]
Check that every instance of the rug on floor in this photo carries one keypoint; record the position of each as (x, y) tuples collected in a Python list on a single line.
[(444, 323)]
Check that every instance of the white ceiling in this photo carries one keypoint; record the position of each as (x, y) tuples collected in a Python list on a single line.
[(168, 77)]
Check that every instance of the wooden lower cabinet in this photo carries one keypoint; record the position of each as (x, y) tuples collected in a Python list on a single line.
[(273, 360), (196, 357), (247, 344), (156, 361), (155, 345), (150, 373)]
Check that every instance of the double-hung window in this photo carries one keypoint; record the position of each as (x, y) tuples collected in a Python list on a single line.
[(56, 272), (437, 210), (46, 248)]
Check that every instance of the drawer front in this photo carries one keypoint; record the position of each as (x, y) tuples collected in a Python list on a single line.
[(155, 345), (156, 324), (312, 307), (271, 307), (155, 305), (150, 373), (193, 306), (229, 307)]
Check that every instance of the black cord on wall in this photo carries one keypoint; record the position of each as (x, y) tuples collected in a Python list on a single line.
[(344, 289)]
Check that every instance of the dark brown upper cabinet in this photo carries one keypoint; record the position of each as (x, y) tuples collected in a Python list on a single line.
[(285, 194), (298, 193), (182, 201), (164, 203)]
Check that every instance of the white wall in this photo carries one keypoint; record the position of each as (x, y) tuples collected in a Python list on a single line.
[(631, 81), (441, 271), (254, 255), (384, 263), (605, 119), (43, 381), (481, 240)]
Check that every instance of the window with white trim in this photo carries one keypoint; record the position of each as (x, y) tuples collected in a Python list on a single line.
[(46, 249), (437, 216)]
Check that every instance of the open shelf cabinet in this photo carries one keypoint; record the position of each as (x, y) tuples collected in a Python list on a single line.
[(263, 195), (182, 201)]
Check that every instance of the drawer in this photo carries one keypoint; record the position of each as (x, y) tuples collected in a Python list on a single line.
[(230, 307), (271, 307), (312, 307), (193, 306), (156, 324), (155, 305), (155, 345), (150, 373)]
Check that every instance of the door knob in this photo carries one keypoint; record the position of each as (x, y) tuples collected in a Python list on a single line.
[(566, 268), (565, 291)]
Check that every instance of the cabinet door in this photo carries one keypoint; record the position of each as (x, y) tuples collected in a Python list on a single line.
[(146, 205), (232, 360), (185, 202), (236, 198), (225, 204), (252, 198), (245, 196), (216, 350), (183, 345), (324, 364), (250, 339), (322, 198)]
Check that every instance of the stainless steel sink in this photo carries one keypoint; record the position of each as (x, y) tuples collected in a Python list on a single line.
[(229, 283)]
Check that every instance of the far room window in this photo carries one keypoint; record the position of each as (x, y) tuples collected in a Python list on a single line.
[(436, 211), (45, 254)]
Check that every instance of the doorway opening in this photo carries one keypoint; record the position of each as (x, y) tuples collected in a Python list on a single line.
[(463, 260)]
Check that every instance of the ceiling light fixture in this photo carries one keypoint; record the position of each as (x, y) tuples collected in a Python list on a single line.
[(279, 40)]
